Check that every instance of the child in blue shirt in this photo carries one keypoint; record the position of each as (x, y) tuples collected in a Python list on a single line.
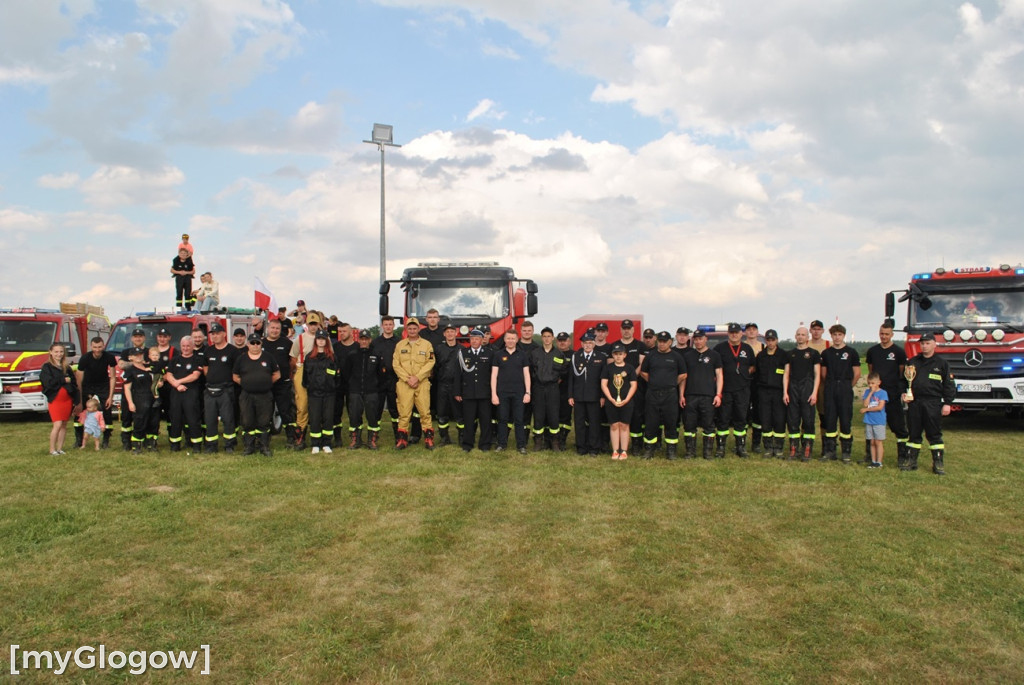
[(873, 410)]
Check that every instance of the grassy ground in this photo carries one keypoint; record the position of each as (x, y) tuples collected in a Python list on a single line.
[(447, 567)]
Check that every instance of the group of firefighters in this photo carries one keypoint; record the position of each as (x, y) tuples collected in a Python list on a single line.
[(609, 393)]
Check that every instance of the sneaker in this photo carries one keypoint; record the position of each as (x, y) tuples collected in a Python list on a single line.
[(623, 456), (316, 450), (327, 449), (615, 456), (875, 465), (61, 452), (54, 453)]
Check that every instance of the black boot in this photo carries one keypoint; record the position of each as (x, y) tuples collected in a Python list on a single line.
[(670, 451), (428, 438), (690, 441), (937, 467), (538, 442), (808, 449), (828, 449), (373, 439), (355, 440), (263, 443), (901, 455), (912, 453), (445, 438), (779, 446), (741, 446), (648, 450), (755, 441), (249, 443), (126, 440), (847, 449), (708, 447), (719, 447)]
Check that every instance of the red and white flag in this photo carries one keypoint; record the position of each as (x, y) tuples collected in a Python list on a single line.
[(265, 299)]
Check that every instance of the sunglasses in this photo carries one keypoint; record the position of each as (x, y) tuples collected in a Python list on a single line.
[(255, 342)]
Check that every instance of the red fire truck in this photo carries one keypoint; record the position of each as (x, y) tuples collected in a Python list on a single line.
[(614, 322), (468, 294), (977, 316), (26, 334)]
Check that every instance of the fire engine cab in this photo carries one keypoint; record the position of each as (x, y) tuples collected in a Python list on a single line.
[(977, 316), (26, 334)]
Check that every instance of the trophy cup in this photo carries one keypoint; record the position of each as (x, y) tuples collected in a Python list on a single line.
[(910, 373), (618, 380)]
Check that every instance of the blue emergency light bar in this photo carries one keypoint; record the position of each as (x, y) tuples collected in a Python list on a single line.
[(922, 277)]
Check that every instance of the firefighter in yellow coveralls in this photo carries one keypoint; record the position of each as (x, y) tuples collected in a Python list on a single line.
[(413, 363)]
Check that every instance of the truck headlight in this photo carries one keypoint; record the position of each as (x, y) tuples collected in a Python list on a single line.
[(31, 376)]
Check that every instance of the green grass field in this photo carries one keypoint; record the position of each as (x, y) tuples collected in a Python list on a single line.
[(448, 567)]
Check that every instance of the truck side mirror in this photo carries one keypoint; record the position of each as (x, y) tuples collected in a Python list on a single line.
[(531, 288), (70, 350), (385, 288), (890, 305), (531, 305), (383, 306)]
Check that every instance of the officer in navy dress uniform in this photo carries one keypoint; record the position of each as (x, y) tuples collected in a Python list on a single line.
[(585, 395), (472, 388)]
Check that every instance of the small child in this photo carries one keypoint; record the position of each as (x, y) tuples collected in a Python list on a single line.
[(186, 245), (873, 410), (92, 419)]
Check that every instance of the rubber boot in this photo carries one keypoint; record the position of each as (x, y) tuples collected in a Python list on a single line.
[(690, 442), (428, 438), (937, 466), (445, 437), (755, 441), (105, 443), (373, 439), (847, 449), (249, 442), (708, 447), (263, 444), (670, 451), (719, 447), (648, 450), (828, 452), (778, 447), (741, 446), (538, 442), (912, 453), (808, 449), (175, 446), (126, 440), (402, 441)]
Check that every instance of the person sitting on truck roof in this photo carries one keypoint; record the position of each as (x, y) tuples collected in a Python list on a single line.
[(208, 293)]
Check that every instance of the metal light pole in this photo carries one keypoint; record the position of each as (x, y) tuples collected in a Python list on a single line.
[(381, 137)]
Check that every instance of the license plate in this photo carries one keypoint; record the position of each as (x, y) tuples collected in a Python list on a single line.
[(974, 387)]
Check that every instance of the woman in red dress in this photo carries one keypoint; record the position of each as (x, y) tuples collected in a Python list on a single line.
[(61, 391)]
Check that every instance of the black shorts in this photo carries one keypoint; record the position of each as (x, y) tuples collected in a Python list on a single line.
[(623, 414)]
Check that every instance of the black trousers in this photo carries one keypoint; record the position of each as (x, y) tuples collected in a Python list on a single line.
[(364, 404), (220, 404), (142, 417), (321, 421), (283, 393), (773, 411), (185, 413), (895, 416), (661, 408), (511, 410), (257, 409), (448, 410), (544, 397), (732, 413), (474, 410), (700, 413), (183, 292), (338, 411), (388, 400), (925, 416), (102, 392), (800, 414), (587, 417), (838, 409), (636, 422)]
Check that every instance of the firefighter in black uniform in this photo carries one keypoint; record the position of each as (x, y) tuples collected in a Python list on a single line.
[(182, 377), (585, 395), (279, 347), (138, 339), (473, 389), (703, 394), (800, 382), (769, 368), (931, 392), (888, 360), (665, 373), (445, 408), (549, 368), (343, 346), (363, 375), (255, 372), (840, 370), (384, 347), (737, 370), (219, 399), (563, 341)]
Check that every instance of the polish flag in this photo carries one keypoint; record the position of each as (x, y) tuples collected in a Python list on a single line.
[(265, 299)]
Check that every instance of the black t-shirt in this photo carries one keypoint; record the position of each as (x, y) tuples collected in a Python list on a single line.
[(769, 368), (96, 372), (801, 364), (663, 370), (619, 378), (167, 355), (385, 349), (180, 264), (840, 364), (256, 375), (701, 378), (510, 371), (280, 350), (220, 364), (141, 381), (179, 367), (606, 348), (886, 362), (736, 364), (341, 351)]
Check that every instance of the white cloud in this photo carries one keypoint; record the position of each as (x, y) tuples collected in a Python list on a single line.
[(502, 51), (485, 108), (114, 186), (63, 181)]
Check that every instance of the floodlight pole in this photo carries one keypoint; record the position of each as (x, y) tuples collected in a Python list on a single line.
[(382, 137)]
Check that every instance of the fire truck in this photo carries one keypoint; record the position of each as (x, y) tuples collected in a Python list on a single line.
[(178, 324), (26, 334), (468, 294), (613, 321), (977, 316)]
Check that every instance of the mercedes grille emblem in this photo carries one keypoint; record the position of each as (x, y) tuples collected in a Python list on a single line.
[(973, 358)]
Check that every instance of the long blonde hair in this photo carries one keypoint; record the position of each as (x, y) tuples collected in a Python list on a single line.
[(64, 360)]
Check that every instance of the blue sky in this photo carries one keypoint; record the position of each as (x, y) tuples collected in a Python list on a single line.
[(692, 160)]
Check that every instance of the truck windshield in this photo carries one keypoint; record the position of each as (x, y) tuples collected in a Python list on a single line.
[(477, 301), (959, 308), (121, 336), (26, 336)]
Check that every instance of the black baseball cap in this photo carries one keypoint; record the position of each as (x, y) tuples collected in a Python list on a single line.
[(216, 328), (601, 326), (664, 336), (771, 334), (735, 328), (618, 347), (138, 331), (253, 337), (626, 323), (239, 331), (699, 334), (750, 325), (817, 324), (364, 333), (136, 351), (451, 327), (648, 332), (163, 331), (925, 337), (683, 329), (319, 334), (562, 336)]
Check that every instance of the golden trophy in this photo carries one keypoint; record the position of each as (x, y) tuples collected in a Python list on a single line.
[(618, 380), (910, 373)]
